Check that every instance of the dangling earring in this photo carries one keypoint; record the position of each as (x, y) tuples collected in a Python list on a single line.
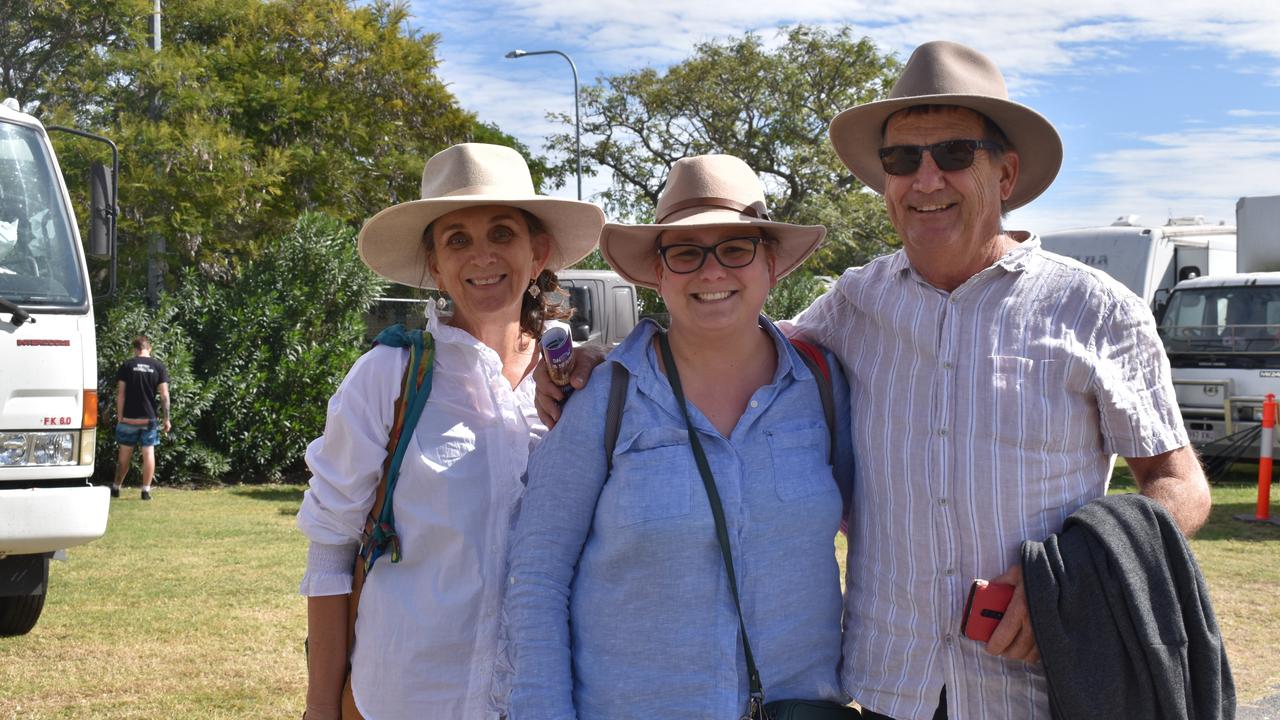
[(534, 291)]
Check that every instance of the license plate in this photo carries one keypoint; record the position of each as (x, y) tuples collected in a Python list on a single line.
[(1201, 436)]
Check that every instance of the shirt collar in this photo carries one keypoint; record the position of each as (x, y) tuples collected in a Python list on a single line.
[(1016, 260)]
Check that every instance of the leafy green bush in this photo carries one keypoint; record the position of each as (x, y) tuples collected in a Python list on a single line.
[(792, 294), (184, 456), (253, 361), (274, 344)]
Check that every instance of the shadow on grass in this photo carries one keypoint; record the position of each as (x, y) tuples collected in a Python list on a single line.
[(271, 493)]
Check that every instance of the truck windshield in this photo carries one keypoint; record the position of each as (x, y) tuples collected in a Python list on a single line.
[(39, 263), (1223, 320)]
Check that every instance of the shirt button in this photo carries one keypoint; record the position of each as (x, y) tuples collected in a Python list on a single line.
[(947, 365), (755, 404), (947, 639), (949, 572), (942, 502), (942, 432), (953, 299)]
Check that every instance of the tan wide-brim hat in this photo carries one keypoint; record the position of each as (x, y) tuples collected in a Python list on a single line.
[(705, 191), (947, 73), (463, 176)]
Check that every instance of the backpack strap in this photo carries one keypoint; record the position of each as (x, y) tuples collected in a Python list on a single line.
[(817, 363), (380, 527), (613, 415)]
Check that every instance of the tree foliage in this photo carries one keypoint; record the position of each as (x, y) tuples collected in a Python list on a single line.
[(251, 363), (252, 113), (769, 106)]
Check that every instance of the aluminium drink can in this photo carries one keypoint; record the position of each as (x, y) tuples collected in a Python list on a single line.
[(557, 350)]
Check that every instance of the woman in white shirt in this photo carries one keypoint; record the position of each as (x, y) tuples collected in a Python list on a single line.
[(427, 640)]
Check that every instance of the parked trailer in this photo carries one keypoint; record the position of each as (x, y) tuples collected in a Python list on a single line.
[(1150, 259)]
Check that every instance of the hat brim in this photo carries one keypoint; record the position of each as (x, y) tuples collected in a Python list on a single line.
[(631, 250), (390, 243), (856, 135)]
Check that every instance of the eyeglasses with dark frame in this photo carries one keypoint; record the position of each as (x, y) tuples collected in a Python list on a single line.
[(948, 155), (734, 252)]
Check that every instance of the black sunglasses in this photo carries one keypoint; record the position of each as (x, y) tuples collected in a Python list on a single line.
[(949, 155), (734, 252)]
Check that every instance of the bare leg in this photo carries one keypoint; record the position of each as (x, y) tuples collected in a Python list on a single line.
[(148, 466), (123, 459)]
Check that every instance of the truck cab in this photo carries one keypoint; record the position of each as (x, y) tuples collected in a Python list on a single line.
[(604, 305), (48, 387)]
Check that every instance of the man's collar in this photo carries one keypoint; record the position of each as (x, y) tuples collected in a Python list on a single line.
[(1014, 261)]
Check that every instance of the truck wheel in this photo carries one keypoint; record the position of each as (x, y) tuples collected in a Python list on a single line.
[(18, 614)]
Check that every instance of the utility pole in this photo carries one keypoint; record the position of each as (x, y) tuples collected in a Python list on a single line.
[(155, 239)]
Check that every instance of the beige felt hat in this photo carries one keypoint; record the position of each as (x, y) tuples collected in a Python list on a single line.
[(705, 191), (947, 73), (463, 176)]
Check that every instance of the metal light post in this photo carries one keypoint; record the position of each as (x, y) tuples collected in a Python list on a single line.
[(577, 122)]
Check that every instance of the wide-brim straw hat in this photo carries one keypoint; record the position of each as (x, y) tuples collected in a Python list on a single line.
[(469, 175), (705, 191), (947, 73)]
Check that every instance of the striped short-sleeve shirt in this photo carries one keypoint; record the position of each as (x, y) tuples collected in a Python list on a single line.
[(982, 417)]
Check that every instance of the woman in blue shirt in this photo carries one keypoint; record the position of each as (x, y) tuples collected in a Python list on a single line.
[(619, 603)]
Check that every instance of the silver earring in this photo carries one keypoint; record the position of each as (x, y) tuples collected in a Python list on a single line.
[(534, 291)]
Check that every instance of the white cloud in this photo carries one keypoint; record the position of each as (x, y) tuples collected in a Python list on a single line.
[(1243, 113), (1196, 172)]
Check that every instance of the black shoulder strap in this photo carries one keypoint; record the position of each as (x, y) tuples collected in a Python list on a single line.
[(613, 415), (817, 365)]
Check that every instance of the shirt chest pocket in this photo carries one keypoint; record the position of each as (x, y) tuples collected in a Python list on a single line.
[(651, 479), (1031, 399), (800, 467)]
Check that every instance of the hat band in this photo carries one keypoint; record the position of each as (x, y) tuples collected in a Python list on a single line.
[(715, 202)]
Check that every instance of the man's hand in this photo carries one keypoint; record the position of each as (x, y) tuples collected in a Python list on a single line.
[(548, 397), (1012, 638), (168, 427)]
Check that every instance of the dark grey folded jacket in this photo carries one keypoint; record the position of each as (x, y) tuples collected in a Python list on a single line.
[(1121, 615)]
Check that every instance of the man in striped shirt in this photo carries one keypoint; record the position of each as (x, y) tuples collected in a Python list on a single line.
[(993, 385)]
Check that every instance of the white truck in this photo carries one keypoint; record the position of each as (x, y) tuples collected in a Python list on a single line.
[(48, 364), (1150, 259), (1222, 335)]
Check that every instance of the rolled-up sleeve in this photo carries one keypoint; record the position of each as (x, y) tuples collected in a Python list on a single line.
[(346, 461), (566, 474), (1133, 385)]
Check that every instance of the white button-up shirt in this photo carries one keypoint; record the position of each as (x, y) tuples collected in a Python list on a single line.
[(427, 632), (982, 417)]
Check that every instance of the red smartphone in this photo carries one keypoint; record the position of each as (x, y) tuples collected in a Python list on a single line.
[(984, 609)]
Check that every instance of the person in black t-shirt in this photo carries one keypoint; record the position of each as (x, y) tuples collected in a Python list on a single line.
[(138, 381)]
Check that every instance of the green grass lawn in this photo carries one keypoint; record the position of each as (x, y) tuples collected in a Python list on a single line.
[(188, 608)]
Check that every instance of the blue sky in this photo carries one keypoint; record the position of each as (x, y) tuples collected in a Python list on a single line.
[(1165, 108)]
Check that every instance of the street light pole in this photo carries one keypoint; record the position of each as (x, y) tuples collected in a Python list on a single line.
[(577, 121)]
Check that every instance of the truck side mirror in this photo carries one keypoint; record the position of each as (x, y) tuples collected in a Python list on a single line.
[(1159, 302), (102, 212), (580, 330)]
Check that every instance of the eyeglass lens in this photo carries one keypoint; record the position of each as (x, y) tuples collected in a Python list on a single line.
[(949, 156), (734, 252)]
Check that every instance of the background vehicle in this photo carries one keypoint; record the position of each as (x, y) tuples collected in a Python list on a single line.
[(1222, 335), (48, 387), (604, 304), (1150, 260)]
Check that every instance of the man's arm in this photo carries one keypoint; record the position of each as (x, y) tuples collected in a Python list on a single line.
[(1175, 480), (164, 403), (119, 400)]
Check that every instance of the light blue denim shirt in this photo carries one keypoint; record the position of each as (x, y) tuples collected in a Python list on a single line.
[(618, 602)]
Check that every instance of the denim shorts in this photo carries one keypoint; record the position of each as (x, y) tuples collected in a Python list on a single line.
[(144, 435)]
